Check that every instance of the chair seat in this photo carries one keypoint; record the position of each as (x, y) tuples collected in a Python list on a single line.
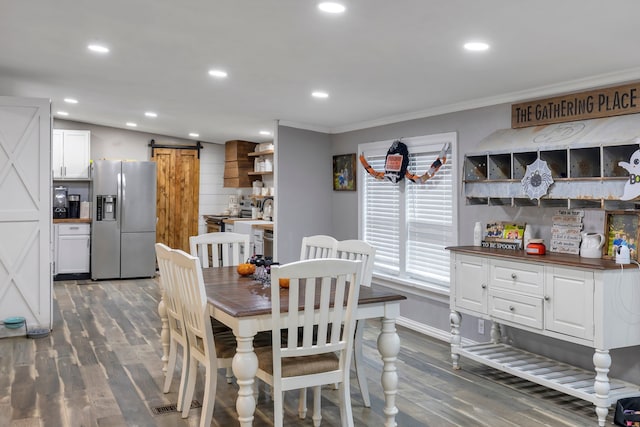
[(296, 366)]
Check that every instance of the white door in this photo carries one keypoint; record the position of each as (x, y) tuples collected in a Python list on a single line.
[(25, 210)]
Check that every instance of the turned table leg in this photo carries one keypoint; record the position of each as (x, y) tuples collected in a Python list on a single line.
[(164, 332), (245, 367), (601, 386), (389, 347), (456, 338)]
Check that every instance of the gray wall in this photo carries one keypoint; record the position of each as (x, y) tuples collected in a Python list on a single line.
[(429, 312), (303, 185)]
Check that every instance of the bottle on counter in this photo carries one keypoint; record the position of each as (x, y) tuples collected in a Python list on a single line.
[(526, 238), (477, 234)]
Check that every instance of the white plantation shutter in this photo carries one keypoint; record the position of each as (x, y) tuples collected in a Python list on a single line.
[(382, 218), (410, 224)]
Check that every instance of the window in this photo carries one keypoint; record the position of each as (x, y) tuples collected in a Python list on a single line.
[(410, 224)]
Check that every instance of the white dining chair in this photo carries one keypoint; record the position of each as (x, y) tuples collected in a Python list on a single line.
[(321, 353), (314, 247), (318, 246), (177, 334), (204, 349), (362, 251), (225, 249), (225, 246)]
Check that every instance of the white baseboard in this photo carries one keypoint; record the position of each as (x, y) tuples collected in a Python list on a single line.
[(430, 331)]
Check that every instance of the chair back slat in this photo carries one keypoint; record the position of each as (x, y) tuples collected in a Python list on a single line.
[(319, 246), (212, 248), (358, 250), (172, 299)]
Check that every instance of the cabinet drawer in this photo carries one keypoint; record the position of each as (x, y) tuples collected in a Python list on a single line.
[(522, 309), (517, 277), (71, 229)]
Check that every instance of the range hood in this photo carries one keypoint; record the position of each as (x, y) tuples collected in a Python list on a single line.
[(618, 130)]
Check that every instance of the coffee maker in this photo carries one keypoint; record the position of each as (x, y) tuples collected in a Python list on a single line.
[(74, 206), (60, 202)]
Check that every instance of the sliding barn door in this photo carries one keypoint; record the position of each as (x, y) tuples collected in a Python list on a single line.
[(25, 210), (177, 196)]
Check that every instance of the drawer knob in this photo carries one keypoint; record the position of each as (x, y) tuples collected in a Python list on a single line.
[(546, 298), (484, 286), (514, 276), (512, 308)]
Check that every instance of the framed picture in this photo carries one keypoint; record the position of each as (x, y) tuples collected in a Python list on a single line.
[(344, 172), (621, 230)]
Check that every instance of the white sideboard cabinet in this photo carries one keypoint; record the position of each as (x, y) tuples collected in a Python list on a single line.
[(591, 302), (70, 154)]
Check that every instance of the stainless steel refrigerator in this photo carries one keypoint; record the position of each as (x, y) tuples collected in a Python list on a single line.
[(123, 229)]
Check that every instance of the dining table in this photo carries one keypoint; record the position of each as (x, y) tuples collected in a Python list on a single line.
[(244, 305)]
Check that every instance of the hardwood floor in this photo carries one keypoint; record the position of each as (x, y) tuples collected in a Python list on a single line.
[(101, 367)]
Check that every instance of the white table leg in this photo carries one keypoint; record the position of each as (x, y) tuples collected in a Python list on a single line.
[(389, 347), (456, 338), (601, 386), (245, 367), (164, 332)]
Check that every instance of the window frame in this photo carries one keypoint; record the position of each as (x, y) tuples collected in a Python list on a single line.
[(414, 144)]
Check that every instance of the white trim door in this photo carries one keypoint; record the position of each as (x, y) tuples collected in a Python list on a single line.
[(25, 210)]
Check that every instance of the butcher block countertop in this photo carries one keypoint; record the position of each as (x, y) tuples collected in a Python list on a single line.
[(264, 226), (72, 220)]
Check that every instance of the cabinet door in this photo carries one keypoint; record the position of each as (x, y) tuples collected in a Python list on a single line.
[(470, 283), (76, 154), (73, 254), (569, 301), (57, 157)]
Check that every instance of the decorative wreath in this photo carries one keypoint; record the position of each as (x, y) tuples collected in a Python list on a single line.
[(397, 161)]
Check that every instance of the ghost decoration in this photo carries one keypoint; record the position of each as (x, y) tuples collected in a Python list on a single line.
[(632, 186)]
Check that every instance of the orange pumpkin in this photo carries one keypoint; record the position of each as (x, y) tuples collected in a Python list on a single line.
[(246, 269), (283, 282)]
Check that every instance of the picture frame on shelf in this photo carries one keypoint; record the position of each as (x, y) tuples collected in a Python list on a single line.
[(621, 228), (344, 172)]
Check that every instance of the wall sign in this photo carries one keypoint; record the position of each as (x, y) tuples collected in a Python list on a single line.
[(612, 101)]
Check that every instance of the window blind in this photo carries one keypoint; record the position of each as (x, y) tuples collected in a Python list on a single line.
[(410, 224)]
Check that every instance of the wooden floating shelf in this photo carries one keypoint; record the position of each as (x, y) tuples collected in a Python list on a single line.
[(261, 173), (260, 153)]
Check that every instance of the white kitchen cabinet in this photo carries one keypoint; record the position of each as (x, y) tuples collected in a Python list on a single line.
[(71, 154), (72, 248), (591, 302)]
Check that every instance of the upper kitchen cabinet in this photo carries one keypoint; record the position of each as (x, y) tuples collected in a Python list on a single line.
[(581, 164), (237, 164), (71, 154)]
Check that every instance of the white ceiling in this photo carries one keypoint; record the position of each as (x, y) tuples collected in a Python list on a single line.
[(382, 61)]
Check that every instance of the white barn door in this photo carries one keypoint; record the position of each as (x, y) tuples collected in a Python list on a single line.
[(25, 210)]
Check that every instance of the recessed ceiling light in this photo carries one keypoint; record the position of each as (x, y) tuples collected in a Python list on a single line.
[(131, 124), (331, 7), (98, 48), (150, 114), (265, 132), (218, 73), (62, 113), (70, 101), (194, 135), (320, 94), (476, 46)]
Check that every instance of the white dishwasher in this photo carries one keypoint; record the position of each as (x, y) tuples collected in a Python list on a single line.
[(73, 248)]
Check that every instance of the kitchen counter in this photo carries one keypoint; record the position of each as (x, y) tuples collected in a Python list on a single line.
[(232, 220), (72, 220), (264, 226)]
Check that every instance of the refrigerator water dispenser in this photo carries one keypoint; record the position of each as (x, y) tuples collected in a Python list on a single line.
[(106, 210)]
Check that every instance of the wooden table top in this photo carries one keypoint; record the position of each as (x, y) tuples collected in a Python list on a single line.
[(244, 297)]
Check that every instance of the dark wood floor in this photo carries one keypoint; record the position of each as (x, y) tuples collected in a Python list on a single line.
[(101, 367)]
